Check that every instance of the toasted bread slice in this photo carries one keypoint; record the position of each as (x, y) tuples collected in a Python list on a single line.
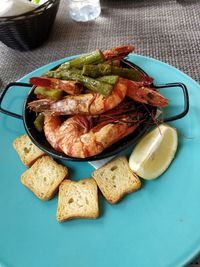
[(77, 200), (44, 177), (115, 179), (28, 152)]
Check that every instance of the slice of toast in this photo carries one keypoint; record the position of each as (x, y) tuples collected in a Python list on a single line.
[(115, 179), (28, 152), (77, 200), (44, 177)]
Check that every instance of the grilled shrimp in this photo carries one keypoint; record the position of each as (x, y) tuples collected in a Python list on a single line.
[(51, 126), (76, 136), (118, 52), (89, 103), (70, 87), (55, 131), (76, 139), (140, 93)]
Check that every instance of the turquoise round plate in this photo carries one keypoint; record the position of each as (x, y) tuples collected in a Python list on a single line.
[(156, 226)]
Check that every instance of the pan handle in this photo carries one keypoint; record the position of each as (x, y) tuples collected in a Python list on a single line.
[(186, 99), (3, 94)]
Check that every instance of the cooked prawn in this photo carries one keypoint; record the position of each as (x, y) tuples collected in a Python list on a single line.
[(51, 126), (140, 93), (76, 139), (118, 52), (89, 103), (70, 87)]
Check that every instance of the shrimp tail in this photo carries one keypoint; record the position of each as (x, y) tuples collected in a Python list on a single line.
[(118, 52)]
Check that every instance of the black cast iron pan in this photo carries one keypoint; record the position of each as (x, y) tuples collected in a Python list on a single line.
[(39, 139)]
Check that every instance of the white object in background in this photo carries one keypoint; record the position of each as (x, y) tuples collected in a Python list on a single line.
[(15, 7), (84, 10)]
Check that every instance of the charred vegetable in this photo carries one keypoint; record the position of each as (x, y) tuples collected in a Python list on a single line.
[(90, 83), (91, 58), (39, 122), (53, 94)]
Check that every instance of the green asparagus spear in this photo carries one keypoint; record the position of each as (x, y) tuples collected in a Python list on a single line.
[(94, 57), (96, 70), (58, 73), (54, 94), (125, 73), (111, 79), (39, 122), (90, 83), (107, 69)]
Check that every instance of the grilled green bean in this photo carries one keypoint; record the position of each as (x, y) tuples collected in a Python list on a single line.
[(54, 94), (96, 70), (111, 79), (90, 83), (107, 69), (127, 73), (39, 122), (94, 57)]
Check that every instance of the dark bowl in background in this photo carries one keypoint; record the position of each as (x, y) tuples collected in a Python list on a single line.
[(31, 29)]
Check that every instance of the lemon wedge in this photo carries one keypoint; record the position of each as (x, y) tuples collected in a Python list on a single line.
[(154, 152)]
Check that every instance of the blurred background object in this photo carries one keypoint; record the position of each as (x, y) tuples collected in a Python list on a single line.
[(15, 7), (84, 10), (29, 30)]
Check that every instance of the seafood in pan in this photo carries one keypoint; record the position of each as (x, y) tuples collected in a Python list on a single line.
[(91, 102)]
